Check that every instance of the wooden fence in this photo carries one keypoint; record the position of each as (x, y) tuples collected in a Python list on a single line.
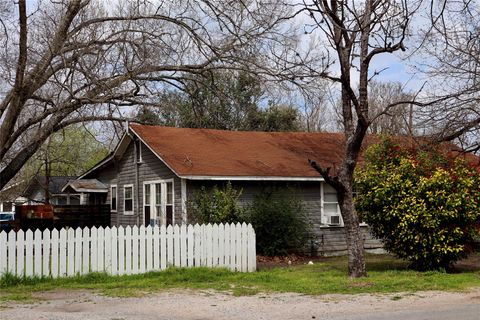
[(130, 250)]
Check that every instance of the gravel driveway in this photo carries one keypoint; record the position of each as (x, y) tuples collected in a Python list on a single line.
[(181, 305)]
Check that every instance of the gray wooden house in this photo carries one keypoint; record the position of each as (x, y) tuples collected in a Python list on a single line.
[(154, 170)]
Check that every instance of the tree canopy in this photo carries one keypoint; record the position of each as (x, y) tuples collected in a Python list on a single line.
[(423, 204)]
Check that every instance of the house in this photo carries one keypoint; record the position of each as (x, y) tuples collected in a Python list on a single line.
[(37, 190), (154, 171)]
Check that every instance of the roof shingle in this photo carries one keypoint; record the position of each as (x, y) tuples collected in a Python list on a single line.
[(207, 152)]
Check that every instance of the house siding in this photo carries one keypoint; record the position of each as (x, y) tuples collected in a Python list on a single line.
[(122, 173), (323, 240)]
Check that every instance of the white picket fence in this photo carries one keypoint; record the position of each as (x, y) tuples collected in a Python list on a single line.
[(130, 250)]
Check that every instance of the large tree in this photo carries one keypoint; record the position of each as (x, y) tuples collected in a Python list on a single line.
[(65, 62), (355, 32)]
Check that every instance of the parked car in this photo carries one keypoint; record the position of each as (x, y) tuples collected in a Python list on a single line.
[(6, 221)]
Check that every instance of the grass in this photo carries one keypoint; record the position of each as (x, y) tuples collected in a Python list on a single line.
[(386, 275)]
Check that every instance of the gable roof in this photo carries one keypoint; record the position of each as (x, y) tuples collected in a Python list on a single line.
[(201, 153), (86, 185)]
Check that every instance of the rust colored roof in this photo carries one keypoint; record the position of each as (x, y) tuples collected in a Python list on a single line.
[(206, 152)]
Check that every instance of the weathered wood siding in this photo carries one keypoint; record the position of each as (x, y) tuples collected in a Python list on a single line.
[(324, 240), (108, 175), (122, 173)]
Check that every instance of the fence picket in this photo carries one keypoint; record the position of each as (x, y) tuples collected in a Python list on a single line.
[(176, 246), (252, 255), (122, 256), (244, 254), (85, 250), (134, 250), (108, 250), (221, 245), (238, 247), (169, 246), (28, 254), (93, 249), (101, 249), (163, 247), (62, 248), (197, 235), (54, 264), (20, 253), (183, 245), (67, 252), (128, 250), (233, 247), (11, 247), (37, 258), (70, 252), (190, 243), (227, 245), (46, 271), (149, 248), (78, 251), (215, 245), (156, 248), (114, 251)]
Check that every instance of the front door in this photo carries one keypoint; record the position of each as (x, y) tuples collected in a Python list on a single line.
[(158, 202)]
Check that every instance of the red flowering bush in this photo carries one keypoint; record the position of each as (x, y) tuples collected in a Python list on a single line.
[(424, 205)]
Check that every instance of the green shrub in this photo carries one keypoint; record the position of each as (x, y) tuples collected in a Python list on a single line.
[(424, 205), (218, 205), (279, 222)]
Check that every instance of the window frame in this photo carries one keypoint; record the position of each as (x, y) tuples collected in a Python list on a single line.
[(163, 202), (324, 216), (111, 198), (130, 212)]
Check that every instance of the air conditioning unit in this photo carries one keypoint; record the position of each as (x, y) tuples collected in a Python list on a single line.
[(334, 220)]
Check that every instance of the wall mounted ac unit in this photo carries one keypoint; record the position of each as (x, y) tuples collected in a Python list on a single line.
[(334, 220)]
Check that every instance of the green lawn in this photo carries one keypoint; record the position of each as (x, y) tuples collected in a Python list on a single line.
[(386, 275)]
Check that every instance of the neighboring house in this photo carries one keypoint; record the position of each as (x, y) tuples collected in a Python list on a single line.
[(38, 190), (154, 171), (42, 190)]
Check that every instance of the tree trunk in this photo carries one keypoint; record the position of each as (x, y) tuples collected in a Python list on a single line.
[(353, 234)]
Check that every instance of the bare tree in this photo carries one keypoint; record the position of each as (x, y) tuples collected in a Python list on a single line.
[(65, 62), (395, 121), (452, 72), (356, 32)]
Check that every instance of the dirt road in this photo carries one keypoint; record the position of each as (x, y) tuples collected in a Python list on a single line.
[(183, 305)]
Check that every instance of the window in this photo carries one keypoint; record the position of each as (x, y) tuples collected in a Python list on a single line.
[(169, 203), (331, 211), (7, 207), (158, 202), (62, 200), (113, 198), (74, 199), (128, 199)]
